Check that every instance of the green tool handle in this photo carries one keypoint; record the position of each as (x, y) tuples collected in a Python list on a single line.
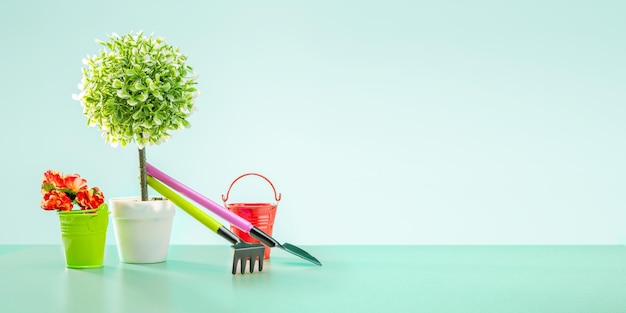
[(179, 201)]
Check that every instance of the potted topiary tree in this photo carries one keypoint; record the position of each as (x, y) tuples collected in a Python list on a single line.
[(138, 89)]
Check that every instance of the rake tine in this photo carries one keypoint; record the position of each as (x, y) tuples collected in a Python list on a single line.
[(257, 257), (253, 261), (242, 264)]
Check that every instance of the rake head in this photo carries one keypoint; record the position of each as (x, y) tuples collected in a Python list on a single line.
[(247, 251)]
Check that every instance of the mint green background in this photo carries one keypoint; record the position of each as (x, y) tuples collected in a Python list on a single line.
[(464, 122)]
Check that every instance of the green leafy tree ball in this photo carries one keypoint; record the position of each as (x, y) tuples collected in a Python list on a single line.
[(138, 88)]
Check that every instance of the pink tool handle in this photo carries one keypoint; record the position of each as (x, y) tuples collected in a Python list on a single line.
[(224, 213)]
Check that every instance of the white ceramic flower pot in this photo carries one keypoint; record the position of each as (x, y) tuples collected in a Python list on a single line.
[(142, 228)]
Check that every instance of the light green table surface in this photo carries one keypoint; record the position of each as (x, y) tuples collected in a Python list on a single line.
[(553, 279)]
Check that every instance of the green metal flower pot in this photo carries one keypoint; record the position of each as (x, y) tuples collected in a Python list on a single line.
[(84, 236)]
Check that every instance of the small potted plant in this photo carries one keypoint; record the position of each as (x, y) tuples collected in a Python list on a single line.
[(138, 89), (83, 216)]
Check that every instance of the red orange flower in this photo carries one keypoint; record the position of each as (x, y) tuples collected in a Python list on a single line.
[(56, 200), (90, 198), (52, 180), (74, 182), (62, 192)]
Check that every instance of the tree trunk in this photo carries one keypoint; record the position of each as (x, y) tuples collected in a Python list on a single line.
[(143, 182)]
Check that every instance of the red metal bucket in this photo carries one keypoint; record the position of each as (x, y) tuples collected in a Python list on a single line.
[(259, 214)]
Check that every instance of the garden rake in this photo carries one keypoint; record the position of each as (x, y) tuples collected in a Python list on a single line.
[(242, 251)]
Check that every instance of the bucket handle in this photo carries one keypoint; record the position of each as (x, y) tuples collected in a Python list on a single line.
[(277, 196)]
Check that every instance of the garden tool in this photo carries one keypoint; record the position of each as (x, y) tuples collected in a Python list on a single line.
[(243, 251), (231, 217)]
